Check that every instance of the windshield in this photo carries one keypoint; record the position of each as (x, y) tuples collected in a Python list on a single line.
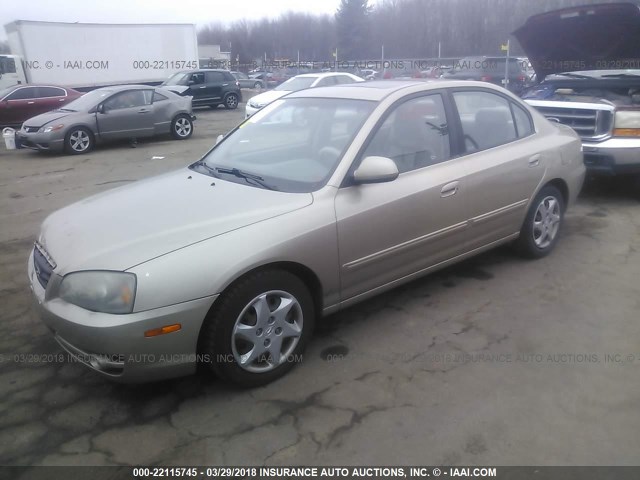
[(175, 79), (88, 100), (292, 145), (296, 83)]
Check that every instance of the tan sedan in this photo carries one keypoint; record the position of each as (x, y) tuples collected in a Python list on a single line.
[(322, 199)]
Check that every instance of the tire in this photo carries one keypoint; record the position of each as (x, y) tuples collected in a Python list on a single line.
[(240, 345), (231, 101), (257, 85), (182, 127), (79, 140), (542, 225)]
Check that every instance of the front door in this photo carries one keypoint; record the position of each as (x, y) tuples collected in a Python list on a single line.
[(387, 231), (127, 114)]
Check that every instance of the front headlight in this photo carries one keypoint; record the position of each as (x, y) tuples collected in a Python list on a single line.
[(627, 123), (254, 104), (100, 291), (52, 128)]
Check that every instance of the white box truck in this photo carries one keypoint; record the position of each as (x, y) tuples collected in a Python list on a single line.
[(89, 55)]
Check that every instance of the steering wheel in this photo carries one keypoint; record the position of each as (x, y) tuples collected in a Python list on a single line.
[(471, 141), (328, 156)]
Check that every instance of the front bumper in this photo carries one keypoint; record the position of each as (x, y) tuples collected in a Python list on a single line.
[(115, 345), (615, 156), (51, 141)]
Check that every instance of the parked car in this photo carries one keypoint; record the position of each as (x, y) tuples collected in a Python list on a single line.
[(325, 198), (21, 102), (490, 69), (370, 74), (431, 72), (266, 77), (299, 82), (245, 81), (208, 87), (110, 113), (584, 59)]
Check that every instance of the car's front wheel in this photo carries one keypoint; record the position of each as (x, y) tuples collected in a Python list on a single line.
[(257, 85), (78, 140), (258, 329), (182, 127), (231, 101), (541, 228)]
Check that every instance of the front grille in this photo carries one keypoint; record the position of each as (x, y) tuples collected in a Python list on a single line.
[(589, 123), (31, 129), (43, 265)]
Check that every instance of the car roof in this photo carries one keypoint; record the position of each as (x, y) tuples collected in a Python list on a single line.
[(119, 88), (379, 89)]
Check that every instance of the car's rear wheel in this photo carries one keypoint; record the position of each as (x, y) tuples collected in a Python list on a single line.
[(231, 101), (182, 127), (78, 140), (541, 228), (258, 329)]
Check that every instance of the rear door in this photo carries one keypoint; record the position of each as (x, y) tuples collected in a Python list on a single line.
[(504, 158), (387, 231), (215, 82), (127, 114), (50, 98)]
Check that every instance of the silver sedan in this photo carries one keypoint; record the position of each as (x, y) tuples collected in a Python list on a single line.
[(322, 199), (110, 113)]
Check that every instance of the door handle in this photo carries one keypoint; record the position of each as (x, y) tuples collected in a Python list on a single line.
[(143, 110), (449, 189), (30, 103), (225, 84), (534, 161), (61, 100), (203, 86)]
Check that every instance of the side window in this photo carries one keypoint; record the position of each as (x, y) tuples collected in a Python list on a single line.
[(343, 79), (414, 135), (524, 126), (230, 78), (158, 97), (127, 99), (214, 77), (46, 92), (23, 94), (486, 120), (197, 78), (326, 81)]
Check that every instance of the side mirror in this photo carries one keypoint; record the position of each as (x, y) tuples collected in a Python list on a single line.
[(376, 170), (219, 139), (100, 108)]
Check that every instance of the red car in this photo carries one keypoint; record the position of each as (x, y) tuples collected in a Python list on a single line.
[(21, 102)]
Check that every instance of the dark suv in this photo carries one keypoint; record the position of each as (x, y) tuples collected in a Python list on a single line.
[(210, 87), (490, 69)]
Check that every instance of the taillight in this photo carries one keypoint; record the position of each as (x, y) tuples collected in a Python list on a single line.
[(522, 78), (486, 78), (237, 83)]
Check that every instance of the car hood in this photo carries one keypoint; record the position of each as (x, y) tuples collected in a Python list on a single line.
[(268, 97), (124, 227), (591, 37), (179, 89), (43, 119)]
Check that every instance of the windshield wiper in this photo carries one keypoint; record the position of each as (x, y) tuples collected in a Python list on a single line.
[(574, 75), (248, 177), (212, 171), (620, 75)]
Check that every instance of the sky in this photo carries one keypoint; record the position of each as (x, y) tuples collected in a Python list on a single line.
[(200, 12)]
